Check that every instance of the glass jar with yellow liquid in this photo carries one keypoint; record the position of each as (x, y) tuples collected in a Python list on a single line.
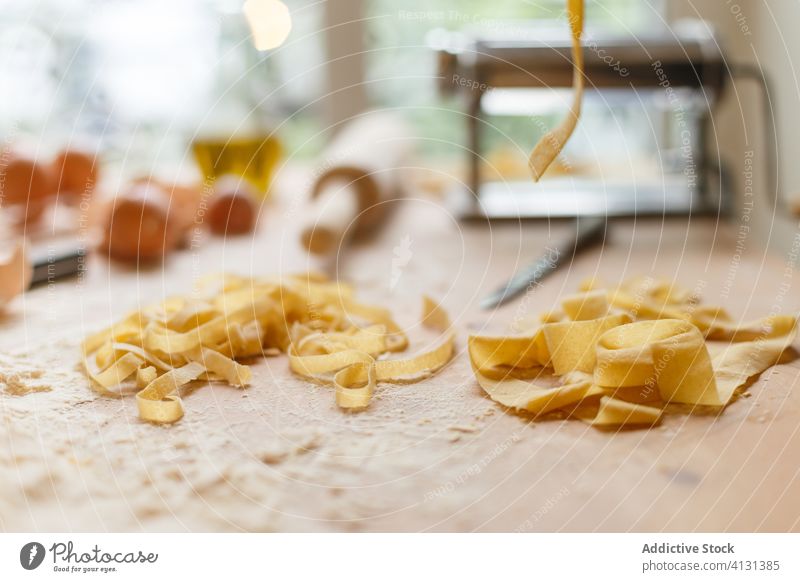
[(234, 136), (253, 157)]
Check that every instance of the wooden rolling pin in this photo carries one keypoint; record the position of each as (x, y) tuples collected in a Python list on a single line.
[(365, 171)]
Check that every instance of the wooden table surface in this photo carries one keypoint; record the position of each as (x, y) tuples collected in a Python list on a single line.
[(433, 456)]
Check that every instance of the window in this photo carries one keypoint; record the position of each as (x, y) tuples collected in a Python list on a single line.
[(401, 65)]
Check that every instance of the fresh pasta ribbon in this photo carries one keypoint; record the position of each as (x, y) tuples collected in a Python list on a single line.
[(352, 359), (550, 145), (496, 356), (670, 354), (613, 412), (159, 401), (621, 357), (536, 399), (571, 343), (329, 338)]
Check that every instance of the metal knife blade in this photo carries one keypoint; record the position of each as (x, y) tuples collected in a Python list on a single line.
[(587, 232), (49, 268)]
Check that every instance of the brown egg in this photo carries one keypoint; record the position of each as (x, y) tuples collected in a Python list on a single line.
[(139, 225), (75, 174), (25, 180), (183, 201), (233, 207), (32, 212)]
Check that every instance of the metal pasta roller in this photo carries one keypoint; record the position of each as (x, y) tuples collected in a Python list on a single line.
[(641, 146)]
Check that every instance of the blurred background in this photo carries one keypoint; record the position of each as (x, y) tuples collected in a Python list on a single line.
[(142, 78), (151, 84)]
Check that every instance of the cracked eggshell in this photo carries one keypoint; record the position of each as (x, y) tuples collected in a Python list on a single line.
[(15, 274)]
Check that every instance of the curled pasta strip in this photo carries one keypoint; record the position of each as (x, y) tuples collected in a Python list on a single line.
[(551, 144), (159, 401), (354, 365)]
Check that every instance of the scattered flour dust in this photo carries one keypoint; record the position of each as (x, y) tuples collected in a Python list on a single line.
[(18, 378), (277, 456)]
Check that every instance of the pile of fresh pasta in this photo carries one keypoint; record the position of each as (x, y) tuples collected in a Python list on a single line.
[(611, 356), (329, 338), (624, 356)]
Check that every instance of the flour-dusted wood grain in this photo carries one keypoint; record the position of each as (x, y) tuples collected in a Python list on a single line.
[(281, 456)]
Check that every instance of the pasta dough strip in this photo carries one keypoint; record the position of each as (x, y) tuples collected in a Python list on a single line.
[(357, 372), (551, 143), (159, 401)]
